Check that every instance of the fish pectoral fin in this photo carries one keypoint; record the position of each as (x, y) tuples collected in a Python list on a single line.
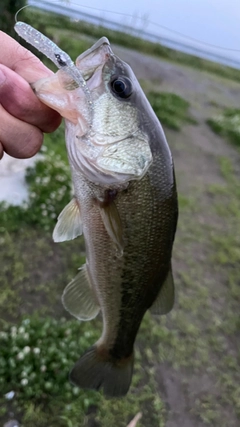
[(69, 224), (165, 299), (113, 225), (78, 297)]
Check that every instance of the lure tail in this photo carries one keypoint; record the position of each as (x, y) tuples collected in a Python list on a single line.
[(97, 371)]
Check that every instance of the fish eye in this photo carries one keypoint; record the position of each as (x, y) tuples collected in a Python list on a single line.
[(122, 87)]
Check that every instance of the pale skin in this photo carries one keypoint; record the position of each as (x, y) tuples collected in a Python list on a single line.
[(23, 118)]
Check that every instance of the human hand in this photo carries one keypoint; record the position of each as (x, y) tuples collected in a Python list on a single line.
[(23, 118)]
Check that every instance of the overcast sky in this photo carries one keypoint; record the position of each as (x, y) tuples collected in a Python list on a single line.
[(212, 21)]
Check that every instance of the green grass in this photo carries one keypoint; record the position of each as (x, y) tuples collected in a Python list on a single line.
[(227, 124), (171, 109), (37, 352)]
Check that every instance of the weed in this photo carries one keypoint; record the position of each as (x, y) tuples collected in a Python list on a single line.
[(36, 352), (227, 124), (171, 109)]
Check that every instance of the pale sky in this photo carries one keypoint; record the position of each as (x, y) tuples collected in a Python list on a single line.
[(212, 21)]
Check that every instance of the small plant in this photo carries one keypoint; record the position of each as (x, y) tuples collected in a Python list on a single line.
[(171, 109), (227, 124), (36, 356)]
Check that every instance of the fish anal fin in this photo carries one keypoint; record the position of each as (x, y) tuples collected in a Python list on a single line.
[(113, 225), (78, 297), (69, 224), (95, 371), (165, 299)]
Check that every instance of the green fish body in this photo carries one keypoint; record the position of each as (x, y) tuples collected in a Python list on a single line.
[(125, 204)]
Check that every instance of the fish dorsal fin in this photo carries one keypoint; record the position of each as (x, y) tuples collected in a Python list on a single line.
[(113, 224), (69, 224), (165, 299), (78, 297)]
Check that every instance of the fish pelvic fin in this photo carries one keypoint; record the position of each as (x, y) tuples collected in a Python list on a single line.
[(165, 299), (96, 370)]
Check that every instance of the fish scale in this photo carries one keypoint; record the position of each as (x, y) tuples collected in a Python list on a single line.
[(132, 271)]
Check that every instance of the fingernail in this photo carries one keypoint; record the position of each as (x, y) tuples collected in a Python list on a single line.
[(2, 77)]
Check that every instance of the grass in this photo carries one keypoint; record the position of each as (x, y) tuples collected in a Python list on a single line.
[(227, 124), (31, 360), (171, 109)]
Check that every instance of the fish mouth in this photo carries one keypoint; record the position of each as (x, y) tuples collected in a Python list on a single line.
[(93, 59), (102, 41)]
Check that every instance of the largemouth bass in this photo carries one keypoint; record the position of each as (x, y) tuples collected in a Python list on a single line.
[(125, 204)]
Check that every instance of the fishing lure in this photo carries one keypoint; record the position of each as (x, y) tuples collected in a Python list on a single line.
[(60, 58)]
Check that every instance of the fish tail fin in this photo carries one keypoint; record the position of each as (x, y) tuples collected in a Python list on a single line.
[(96, 369)]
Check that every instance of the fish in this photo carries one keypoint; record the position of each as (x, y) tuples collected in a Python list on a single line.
[(125, 205)]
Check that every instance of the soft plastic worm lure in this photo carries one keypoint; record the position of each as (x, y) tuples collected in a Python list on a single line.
[(60, 58)]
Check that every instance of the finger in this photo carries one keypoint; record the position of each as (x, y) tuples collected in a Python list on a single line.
[(1, 151), (21, 60), (18, 139), (17, 97)]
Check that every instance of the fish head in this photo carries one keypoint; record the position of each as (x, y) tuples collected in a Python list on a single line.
[(105, 136), (114, 92), (116, 148)]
